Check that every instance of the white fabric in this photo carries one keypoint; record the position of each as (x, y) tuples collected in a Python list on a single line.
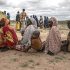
[(34, 22), (27, 35)]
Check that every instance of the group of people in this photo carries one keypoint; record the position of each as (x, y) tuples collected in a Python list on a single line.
[(31, 37), (7, 14), (21, 20), (42, 22)]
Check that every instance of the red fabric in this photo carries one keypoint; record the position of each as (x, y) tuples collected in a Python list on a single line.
[(1, 39), (10, 35)]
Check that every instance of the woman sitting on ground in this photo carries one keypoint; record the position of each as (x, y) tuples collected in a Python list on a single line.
[(53, 41), (31, 37), (1, 35), (10, 37)]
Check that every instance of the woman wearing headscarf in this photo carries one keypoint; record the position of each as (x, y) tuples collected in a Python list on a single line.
[(2, 41), (31, 38), (34, 23), (53, 41), (1, 35), (10, 36)]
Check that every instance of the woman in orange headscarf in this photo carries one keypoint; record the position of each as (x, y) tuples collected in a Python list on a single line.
[(10, 36)]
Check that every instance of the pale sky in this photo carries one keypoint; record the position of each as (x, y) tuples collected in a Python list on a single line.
[(58, 8)]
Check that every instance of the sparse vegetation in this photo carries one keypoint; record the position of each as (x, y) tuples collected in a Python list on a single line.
[(14, 59), (37, 64), (24, 65), (31, 61)]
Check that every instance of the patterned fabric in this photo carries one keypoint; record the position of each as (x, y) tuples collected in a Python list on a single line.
[(10, 37), (54, 38), (1, 38)]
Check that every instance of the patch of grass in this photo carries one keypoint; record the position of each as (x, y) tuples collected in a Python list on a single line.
[(63, 57), (64, 53), (15, 53), (20, 54), (37, 63), (51, 61), (59, 58), (24, 65), (68, 58), (54, 61), (14, 59), (45, 69), (31, 67), (31, 61)]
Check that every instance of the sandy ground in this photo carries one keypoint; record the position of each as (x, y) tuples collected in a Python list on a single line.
[(16, 60)]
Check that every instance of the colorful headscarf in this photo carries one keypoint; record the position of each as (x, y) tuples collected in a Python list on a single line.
[(5, 20)]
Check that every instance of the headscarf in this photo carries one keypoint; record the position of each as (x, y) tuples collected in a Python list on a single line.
[(28, 21), (5, 20), (54, 20), (33, 22)]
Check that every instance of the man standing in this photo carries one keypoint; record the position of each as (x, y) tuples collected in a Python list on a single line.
[(22, 18)]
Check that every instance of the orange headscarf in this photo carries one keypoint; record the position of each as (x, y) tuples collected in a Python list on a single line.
[(6, 21)]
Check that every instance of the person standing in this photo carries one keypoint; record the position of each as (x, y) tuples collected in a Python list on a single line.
[(18, 25), (22, 18), (35, 17), (41, 22), (45, 22), (4, 12), (8, 16)]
